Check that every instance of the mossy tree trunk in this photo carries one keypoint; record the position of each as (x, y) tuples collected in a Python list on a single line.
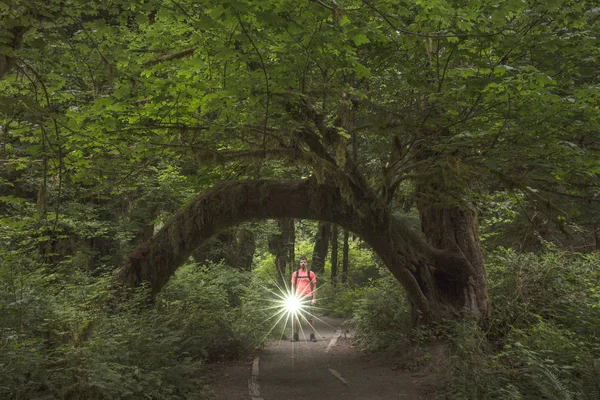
[(288, 231), (423, 270), (461, 288), (450, 224), (244, 250)]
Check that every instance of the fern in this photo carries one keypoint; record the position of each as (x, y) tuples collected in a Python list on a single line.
[(551, 386), (590, 379)]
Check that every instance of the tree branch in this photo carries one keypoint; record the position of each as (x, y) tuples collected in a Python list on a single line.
[(169, 57), (231, 203)]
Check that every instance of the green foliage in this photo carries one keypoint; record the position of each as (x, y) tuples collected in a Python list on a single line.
[(381, 316), (341, 300), (217, 309), (265, 270), (543, 338), (114, 113), (555, 286), (522, 220), (64, 335)]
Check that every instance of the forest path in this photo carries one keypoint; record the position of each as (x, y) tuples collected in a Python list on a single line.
[(330, 368)]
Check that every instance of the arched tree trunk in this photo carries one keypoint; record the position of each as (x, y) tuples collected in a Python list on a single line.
[(405, 253), (320, 248)]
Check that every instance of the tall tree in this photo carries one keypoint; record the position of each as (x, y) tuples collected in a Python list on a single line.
[(234, 247), (345, 256), (280, 245), (334, 254), (291, 245), (321, 247)]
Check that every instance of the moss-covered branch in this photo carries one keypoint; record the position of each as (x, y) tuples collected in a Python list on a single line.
[(231, 203)]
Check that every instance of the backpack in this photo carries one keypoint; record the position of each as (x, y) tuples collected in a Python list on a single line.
[(307, 276)]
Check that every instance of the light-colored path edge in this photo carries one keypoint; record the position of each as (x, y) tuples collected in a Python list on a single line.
[(254, 386), (333, 340)]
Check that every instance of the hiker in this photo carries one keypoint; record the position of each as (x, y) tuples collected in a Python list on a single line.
[(304, 284)]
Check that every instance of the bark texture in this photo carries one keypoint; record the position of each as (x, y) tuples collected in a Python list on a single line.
[(407, 255), (458, 288), (450, 224)]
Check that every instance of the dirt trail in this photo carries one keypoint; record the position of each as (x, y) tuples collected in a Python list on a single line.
[(328, 369)]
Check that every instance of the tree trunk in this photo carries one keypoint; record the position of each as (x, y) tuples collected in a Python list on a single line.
[(280, 246), (455, 228), (235, 247), (245, 248), (288, 230), (334, 254), (216, 249), (13, 41), (424, 271), (320, 248), (345, 261)]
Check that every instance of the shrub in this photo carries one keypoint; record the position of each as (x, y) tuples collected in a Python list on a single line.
[(543, 338), (218, 309), (381, 314), (67, 337)]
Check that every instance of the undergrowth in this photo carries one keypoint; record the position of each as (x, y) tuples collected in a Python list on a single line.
[(75, 341), (378, 312), (542, 341)]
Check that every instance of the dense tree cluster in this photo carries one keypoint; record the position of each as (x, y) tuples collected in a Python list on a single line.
[(450, 107)]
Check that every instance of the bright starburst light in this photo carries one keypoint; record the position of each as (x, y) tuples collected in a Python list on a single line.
[(292, 304), (288, 312)]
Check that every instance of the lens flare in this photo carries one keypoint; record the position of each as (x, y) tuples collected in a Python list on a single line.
[(284, 310), (292, 304)]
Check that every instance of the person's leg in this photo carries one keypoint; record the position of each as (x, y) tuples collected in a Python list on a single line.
[(311, 320), (295, 337), (309, 312)]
